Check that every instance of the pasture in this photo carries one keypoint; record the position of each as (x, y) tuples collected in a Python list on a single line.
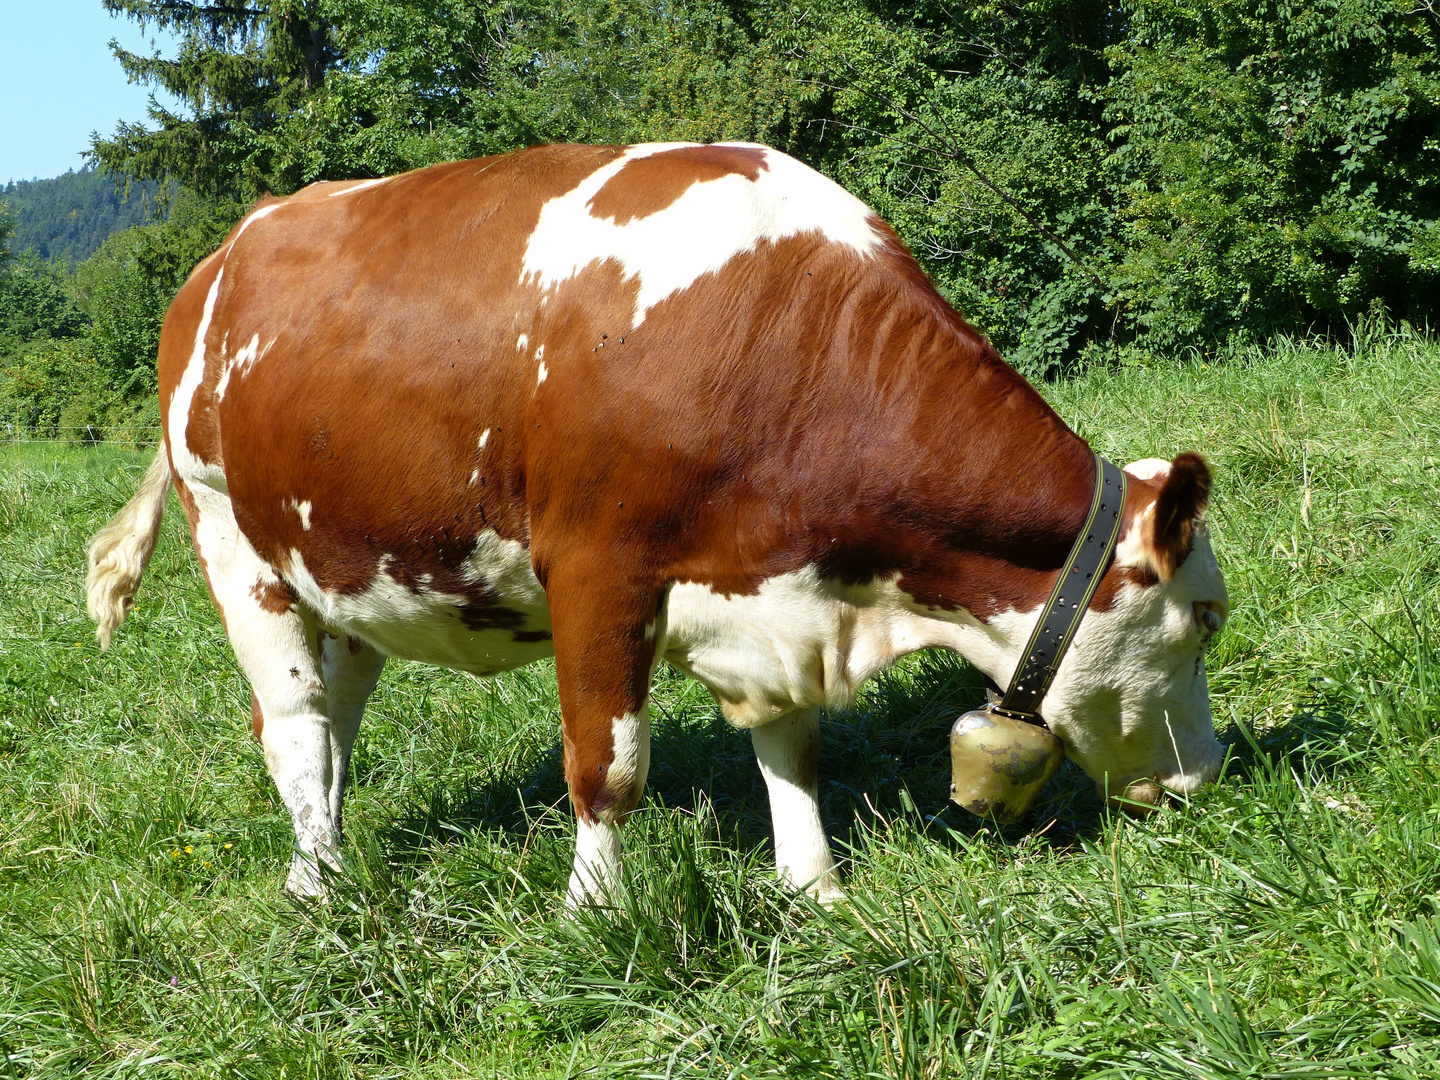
[(1283, 923)]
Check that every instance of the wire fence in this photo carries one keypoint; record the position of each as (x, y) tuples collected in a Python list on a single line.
[(80, 435)]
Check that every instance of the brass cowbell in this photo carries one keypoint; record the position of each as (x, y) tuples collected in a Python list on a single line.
[(999, 764)]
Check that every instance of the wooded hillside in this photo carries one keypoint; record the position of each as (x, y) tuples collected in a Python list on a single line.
[(68, 217)]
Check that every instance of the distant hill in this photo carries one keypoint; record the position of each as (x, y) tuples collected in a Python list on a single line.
[(70, 216)]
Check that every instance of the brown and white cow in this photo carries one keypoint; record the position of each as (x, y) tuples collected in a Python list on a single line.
[(621, 405)]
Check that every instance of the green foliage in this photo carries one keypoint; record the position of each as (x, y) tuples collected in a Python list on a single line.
[(127, 285), (67, 217), (64, 389), (246, 70), (78, 349), (1281, 923), (283, 94), (7, 230), (35, 301), (1228, 169), (1279, 163)]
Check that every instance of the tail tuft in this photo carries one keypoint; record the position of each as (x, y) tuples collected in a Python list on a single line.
[(120, 551)]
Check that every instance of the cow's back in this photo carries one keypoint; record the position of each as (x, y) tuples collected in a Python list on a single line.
[(418, 390)]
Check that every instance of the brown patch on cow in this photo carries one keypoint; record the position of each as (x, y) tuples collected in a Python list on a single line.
[(648, 185), (275, 597), (602, 668), (257, 718), (484, 614), (386, 457), (202, 431), (354, 645)]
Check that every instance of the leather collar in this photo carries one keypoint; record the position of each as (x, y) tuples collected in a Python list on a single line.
[(1069, 599)]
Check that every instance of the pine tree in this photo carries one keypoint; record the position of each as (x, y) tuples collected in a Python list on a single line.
[(244, 68)]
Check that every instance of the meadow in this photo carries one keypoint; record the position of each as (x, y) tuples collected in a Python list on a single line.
[(1281, 923)]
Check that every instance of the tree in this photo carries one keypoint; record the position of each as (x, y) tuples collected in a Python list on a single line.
[(68, 216), (1080, 176), (7, 230), (245, 69)]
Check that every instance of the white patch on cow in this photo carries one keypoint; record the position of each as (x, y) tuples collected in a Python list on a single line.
[(360, 186), (522, 343), (258, 215), (1130, 699), (186, 463), (245, 357), (424, 624), (303, 509), (540, 352), (1133, 548), (484, 438), (596, 876), (697, 234), (276, 651), (803, 640), (630, 737), (787, 750), (544, 371), (474, 476)]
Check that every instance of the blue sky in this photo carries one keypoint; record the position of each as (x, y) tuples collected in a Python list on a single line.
[(58, 82)]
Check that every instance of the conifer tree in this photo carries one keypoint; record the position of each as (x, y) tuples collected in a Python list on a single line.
[(244, 67)]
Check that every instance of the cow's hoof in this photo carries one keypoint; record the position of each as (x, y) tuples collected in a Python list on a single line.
[(304, 881), (1141, 799), (830, 897)]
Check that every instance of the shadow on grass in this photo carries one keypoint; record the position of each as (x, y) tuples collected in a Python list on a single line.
[(1316, 740), (885, 757)]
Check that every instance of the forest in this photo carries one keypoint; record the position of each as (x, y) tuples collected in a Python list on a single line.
[(1091, 182), (69, 216)]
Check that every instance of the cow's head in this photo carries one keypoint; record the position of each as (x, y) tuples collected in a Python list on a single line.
[(1130, 700)]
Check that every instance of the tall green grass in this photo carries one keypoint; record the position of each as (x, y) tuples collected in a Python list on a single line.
[(1282, 924)]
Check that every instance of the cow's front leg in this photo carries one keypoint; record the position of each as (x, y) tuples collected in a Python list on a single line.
[(788, 750), (604, 656)]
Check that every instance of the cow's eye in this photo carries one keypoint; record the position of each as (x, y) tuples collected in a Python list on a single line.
[(1208, 619)]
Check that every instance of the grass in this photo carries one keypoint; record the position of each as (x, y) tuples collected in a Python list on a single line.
[(1283, 924)]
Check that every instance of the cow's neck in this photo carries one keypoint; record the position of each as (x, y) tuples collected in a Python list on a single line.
[(1010, 490)]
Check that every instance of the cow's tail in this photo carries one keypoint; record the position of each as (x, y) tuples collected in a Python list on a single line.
[(120, 551)]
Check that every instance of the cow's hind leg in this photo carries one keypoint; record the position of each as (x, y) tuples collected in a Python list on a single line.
[(275, 640), (350, 669), (296, 755), (788, 750), (280, 654)]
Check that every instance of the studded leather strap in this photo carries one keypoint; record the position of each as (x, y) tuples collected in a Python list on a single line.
[(1070, 598)]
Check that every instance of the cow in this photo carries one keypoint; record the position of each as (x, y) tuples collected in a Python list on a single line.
[(625, 404)]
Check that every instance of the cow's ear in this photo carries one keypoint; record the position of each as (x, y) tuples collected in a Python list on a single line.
[(1150, 468), (1179, 509)]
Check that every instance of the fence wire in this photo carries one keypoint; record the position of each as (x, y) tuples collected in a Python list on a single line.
[(81, 435)]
